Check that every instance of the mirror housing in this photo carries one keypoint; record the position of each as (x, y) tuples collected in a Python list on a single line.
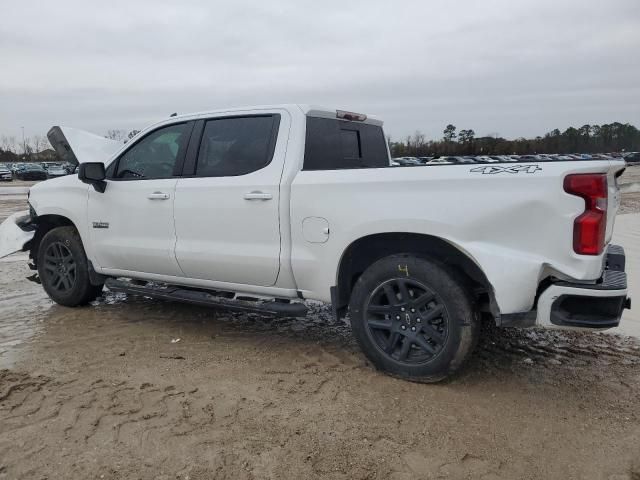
[(94, 174)]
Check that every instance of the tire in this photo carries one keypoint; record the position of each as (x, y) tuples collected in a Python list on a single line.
[(63, 268), (414, 318)]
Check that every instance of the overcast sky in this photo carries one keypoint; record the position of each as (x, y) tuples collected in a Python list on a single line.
[(516, 68)]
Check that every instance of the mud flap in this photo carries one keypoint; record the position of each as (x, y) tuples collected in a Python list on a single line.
[(12, 237)]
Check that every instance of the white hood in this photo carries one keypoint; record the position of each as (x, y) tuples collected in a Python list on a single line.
[(79, 146)]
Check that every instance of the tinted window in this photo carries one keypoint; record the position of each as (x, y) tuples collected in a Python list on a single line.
[(333, 144), (155, 155), (350, 143), (236, 146)]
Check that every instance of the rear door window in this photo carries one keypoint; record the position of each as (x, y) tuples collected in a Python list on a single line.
[(236, 146)]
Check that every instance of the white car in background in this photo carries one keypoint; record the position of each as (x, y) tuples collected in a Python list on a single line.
[(486, 159), (54, 171), (439, 161), (5, 173)]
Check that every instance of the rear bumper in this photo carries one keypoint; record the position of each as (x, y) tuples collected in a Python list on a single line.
[(596, 305)]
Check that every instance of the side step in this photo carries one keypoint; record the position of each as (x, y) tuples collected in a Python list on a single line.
[(208, 298)]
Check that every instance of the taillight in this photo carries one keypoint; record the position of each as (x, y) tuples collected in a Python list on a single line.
[(589, 228)]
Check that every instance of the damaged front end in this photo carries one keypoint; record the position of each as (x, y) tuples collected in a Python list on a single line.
[(16, 233)]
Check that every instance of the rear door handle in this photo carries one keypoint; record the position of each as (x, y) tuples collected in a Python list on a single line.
[(257, 196), (158, 196)]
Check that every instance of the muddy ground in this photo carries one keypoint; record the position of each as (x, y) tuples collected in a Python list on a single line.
[(131, 388)]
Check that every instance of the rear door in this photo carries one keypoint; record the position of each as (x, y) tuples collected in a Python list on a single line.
[(227, 201), (132, 225)]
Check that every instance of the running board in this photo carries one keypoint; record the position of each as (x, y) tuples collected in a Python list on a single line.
[(209, 299)]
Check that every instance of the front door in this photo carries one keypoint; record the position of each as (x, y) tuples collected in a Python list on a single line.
[(227, 212), (132, 222)]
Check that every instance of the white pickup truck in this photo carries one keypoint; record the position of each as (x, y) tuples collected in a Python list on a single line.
[(258, 209)]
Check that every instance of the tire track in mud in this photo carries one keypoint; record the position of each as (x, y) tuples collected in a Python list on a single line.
[(100, 414), (555, 348)]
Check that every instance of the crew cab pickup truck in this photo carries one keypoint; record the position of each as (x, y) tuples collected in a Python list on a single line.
[(259, 209)]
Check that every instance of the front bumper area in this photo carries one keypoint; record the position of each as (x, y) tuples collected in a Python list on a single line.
[(596, 305), (14, 235)]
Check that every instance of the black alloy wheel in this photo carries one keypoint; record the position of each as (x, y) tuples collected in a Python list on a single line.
[(60, 267), (407, 320)]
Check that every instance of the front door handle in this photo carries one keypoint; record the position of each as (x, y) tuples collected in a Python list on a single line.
[(158, 196), (257, 196)]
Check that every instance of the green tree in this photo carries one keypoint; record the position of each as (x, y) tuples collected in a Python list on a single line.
[(449, 133)]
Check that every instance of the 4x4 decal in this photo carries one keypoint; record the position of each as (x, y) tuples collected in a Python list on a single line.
[(493, 169)]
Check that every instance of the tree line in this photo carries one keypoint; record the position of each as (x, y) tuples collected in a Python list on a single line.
[(15, 150), (611, 137)]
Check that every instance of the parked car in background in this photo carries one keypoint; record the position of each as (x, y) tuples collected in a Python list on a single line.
[(46, 165), (15, 167), (439, 161), (31, 171), (529, 158), (407, 161), (5, 173), (632, 157), (487, 159), (56, 171), (461, 159)]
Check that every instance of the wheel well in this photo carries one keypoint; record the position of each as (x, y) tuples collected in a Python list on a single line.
[(45, 223), (367, 250)]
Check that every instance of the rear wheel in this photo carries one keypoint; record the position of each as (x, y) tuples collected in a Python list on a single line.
[(413, 318), (63, 268)]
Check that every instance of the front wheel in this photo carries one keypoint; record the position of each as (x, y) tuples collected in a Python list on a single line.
[(413, 318), (63, 268)]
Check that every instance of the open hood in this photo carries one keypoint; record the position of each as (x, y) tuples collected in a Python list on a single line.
[(79, 146)]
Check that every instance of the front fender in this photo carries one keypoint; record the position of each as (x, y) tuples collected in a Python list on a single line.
[(14, 235)]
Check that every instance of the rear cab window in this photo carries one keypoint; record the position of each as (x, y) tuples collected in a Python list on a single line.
[(333, 144)]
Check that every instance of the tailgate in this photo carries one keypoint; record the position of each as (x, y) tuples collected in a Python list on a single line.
[(616, 169)]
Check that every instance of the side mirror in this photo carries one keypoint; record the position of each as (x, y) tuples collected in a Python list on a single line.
[(93, 173)]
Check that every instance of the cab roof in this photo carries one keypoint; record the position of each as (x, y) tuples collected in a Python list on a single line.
[(307, 109)]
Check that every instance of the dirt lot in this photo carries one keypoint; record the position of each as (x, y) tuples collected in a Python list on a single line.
[(130, 388)]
